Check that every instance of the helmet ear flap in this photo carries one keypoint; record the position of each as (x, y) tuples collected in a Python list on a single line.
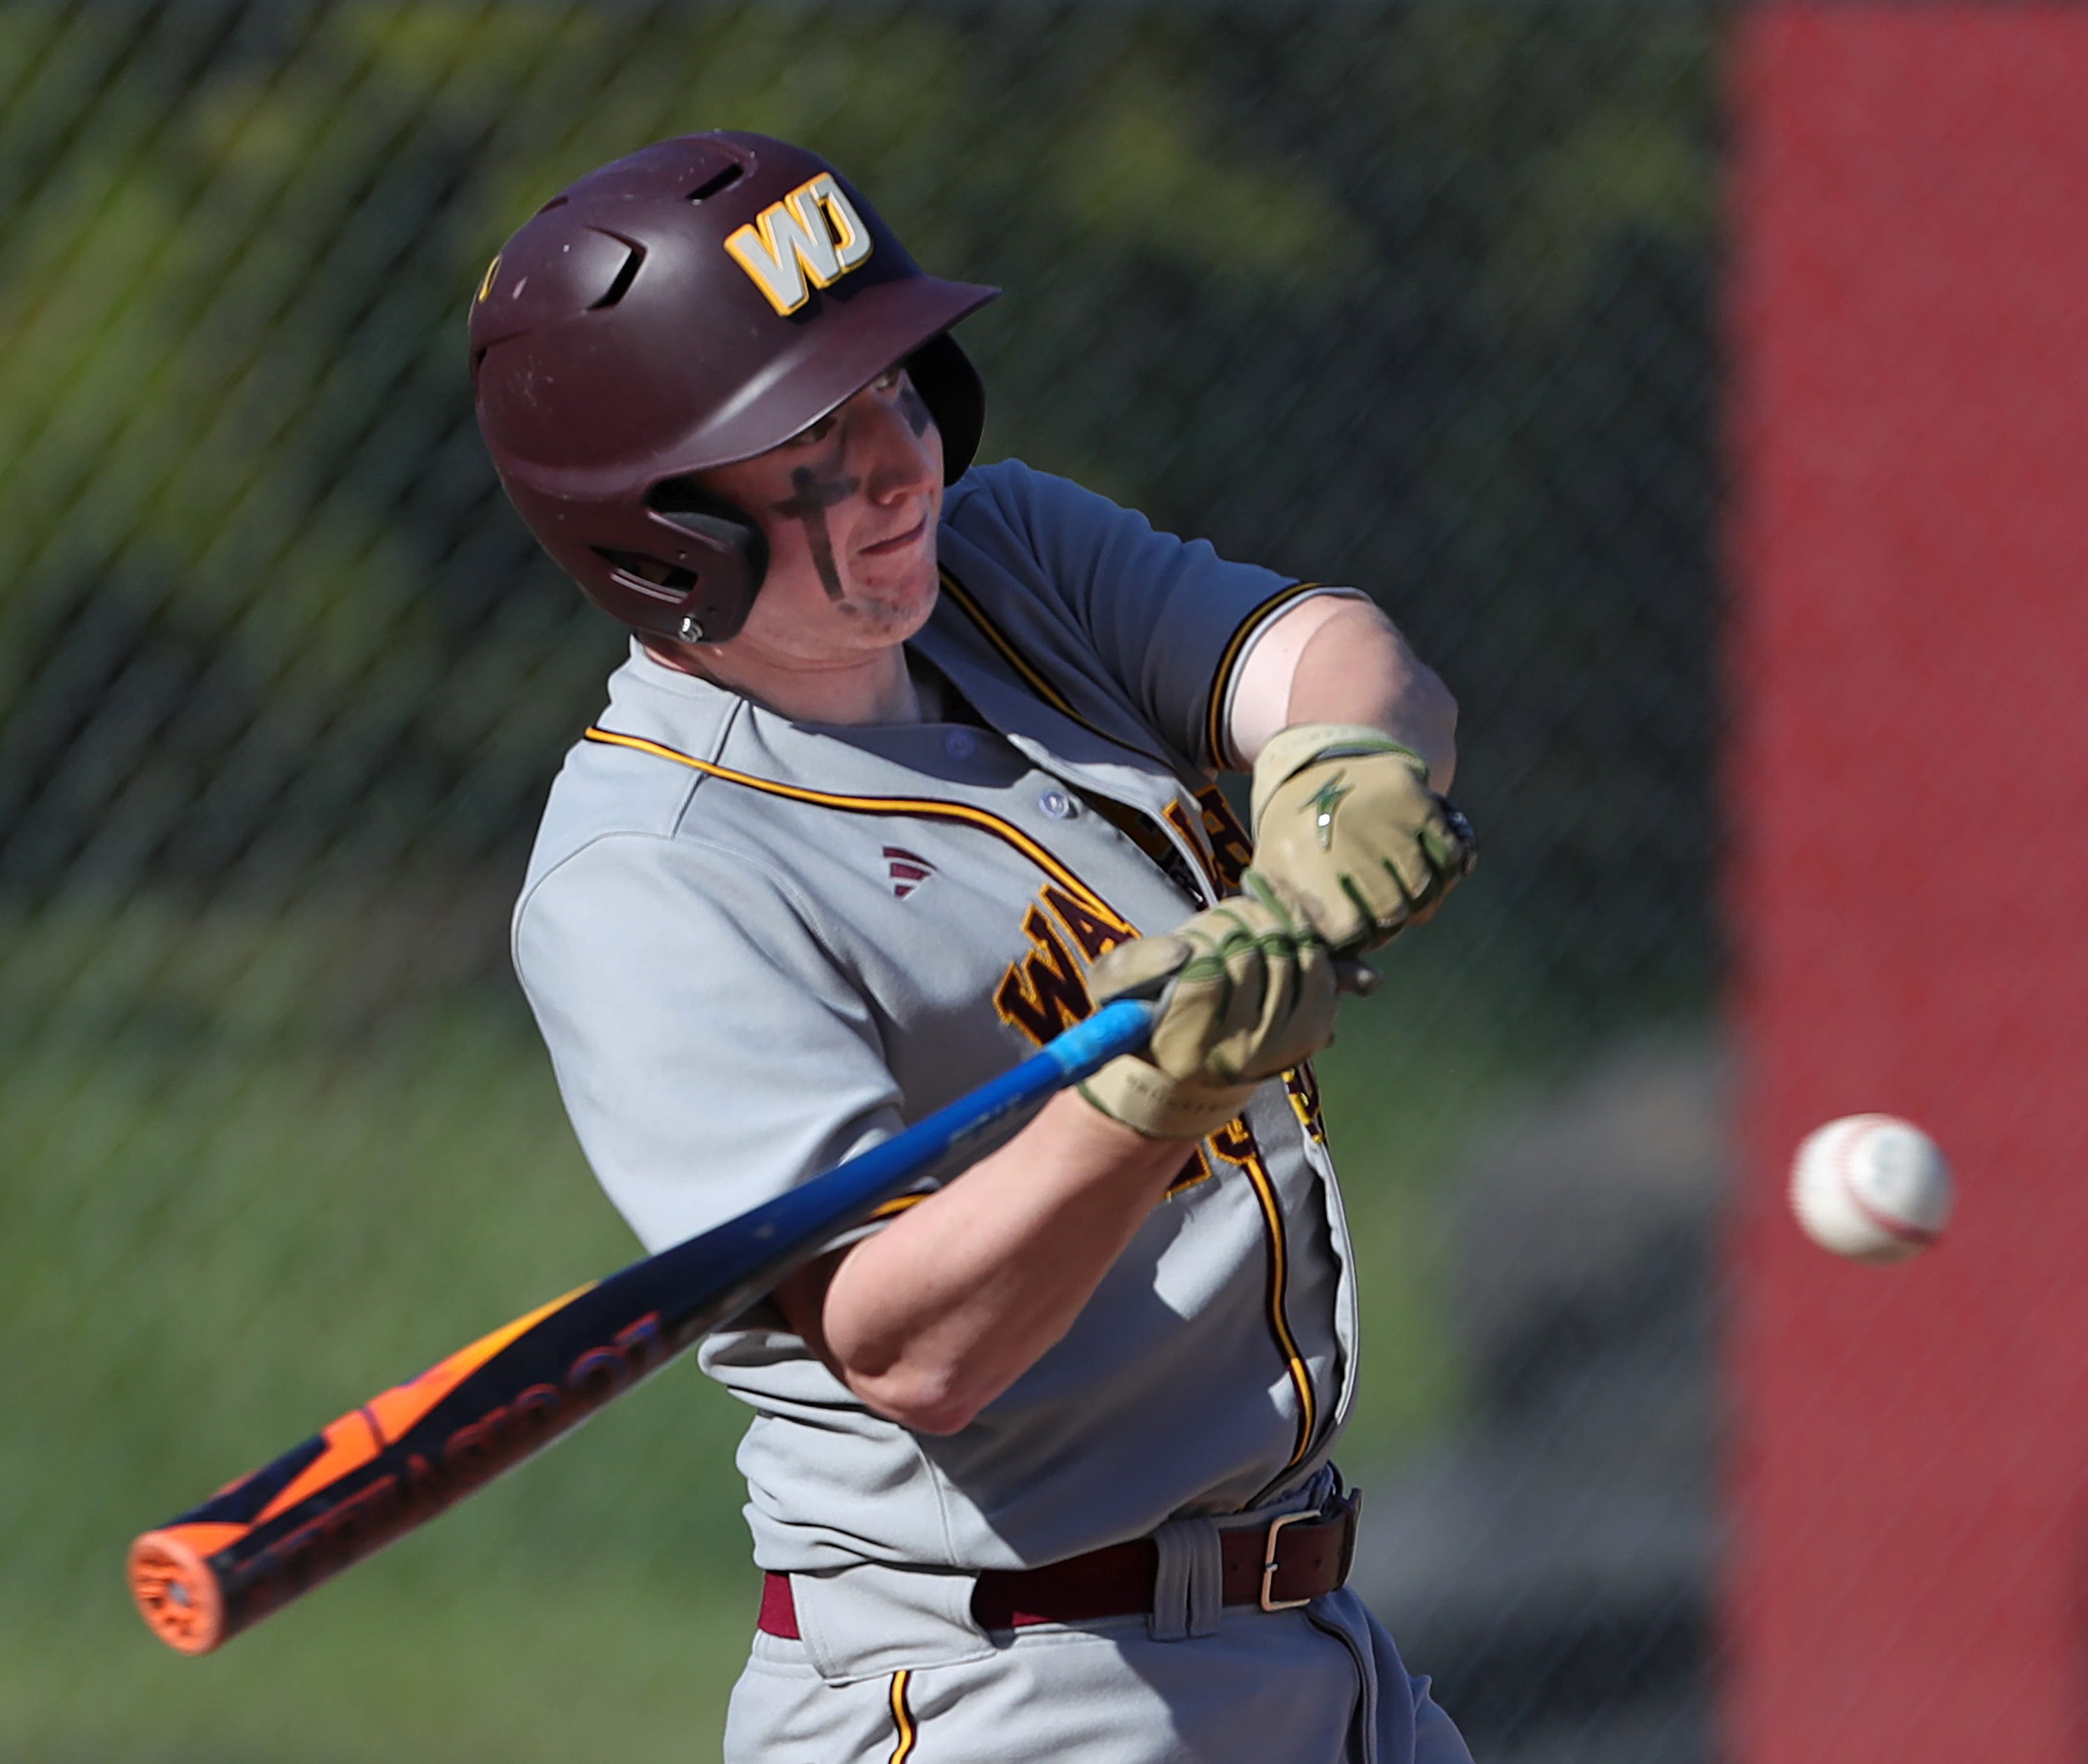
[(726, 550)]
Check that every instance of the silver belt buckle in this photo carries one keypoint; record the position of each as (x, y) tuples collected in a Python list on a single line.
[(1269, 1601)]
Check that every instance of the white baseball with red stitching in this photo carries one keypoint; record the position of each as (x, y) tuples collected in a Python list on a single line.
[(1873, 1188)]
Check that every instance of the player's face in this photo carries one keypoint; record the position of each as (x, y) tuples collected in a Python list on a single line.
[(849, 506)]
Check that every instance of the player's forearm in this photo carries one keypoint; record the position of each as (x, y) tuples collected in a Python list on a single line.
[(950, 1304), (1356, 668)]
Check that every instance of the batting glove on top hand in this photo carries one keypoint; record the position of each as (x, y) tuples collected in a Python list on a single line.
[(1253, 995), (1349, 834)]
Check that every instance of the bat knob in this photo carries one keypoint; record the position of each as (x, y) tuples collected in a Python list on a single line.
[(1353, 976), (176, 1593)]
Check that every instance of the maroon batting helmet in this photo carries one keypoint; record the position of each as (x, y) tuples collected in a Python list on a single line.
[(698, 302)]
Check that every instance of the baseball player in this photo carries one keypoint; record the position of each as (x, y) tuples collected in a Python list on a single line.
[(911, 765)]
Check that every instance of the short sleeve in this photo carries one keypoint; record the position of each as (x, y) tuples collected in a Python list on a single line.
[(1168, 619), (710, 1054)]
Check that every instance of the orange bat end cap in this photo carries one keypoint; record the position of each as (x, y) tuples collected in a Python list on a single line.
[(175, 1592)]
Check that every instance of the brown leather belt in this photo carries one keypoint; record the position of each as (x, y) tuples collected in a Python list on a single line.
[(1288, 1562)]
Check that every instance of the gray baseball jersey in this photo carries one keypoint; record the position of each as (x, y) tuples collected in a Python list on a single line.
[(756, 946)]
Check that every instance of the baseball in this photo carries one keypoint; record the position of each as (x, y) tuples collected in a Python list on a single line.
[(1873, 1188)]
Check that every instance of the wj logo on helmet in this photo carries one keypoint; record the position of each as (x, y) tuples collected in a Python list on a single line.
[(810, 239)]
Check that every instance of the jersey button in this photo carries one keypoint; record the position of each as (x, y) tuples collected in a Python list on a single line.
[(959, 744), (1056, 804)]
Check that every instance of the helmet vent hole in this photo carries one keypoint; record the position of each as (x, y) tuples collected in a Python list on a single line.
[(716, 182), (624, 278), (556, 202), (654, 572)]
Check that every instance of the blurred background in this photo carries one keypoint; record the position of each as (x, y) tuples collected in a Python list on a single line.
[(1456, 301)]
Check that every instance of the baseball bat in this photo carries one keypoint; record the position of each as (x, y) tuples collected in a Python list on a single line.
[(404, 1456)]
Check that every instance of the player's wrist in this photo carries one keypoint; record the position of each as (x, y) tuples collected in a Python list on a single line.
[(1131, 1094)]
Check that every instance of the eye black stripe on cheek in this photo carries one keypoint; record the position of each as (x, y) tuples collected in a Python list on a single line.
[(814, 496)]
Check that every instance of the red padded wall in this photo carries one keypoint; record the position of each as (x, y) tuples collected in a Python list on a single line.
[(1908, 316)]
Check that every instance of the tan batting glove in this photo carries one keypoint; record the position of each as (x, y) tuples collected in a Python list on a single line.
[(1349, 834), (1253, 995)]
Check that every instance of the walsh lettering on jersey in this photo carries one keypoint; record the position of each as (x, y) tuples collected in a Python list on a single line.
[(810, 239), (1046, 992)]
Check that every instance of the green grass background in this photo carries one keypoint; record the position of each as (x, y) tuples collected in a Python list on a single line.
[(260, 1166)]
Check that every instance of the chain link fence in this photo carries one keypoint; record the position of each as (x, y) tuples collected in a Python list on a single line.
[(1415, 297)]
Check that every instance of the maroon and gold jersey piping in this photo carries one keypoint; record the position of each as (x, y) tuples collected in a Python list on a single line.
[(923, 808)]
